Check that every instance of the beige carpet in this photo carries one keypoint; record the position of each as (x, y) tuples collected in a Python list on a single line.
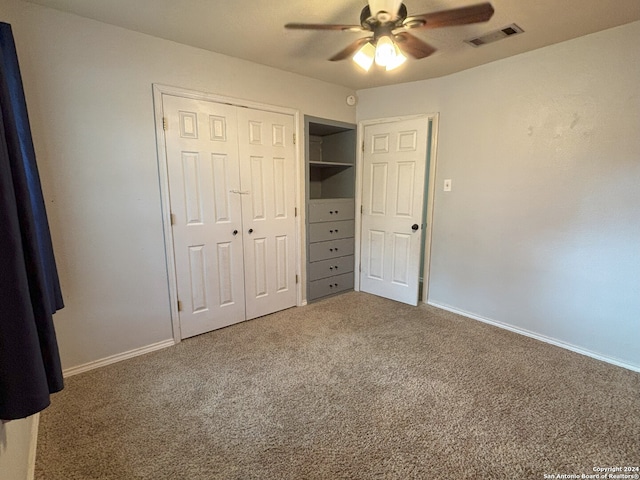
[(350, 387)]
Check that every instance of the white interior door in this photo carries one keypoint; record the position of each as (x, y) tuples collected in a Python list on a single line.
[(203, 171), (394, 162), (267, 158)]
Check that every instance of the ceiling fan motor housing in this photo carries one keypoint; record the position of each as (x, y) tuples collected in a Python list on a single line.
[(390, 7), (382, 18)]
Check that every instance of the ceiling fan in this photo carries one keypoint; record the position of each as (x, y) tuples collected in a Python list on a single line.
[(389, 22)]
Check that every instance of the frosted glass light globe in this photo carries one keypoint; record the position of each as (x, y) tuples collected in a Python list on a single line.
[(385, 51)]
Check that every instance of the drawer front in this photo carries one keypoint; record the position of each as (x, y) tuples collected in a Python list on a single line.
[(331, 249), (327, 286), (331, 210), (328, 268), (320, 232)]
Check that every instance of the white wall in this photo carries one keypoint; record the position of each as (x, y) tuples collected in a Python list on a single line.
[(17, 448), (541, 230), (89, 93)]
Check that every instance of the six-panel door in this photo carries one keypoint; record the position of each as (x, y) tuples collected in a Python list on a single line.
[(267, 167), (203, 171), (394, 163)]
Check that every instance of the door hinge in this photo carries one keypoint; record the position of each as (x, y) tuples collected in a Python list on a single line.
[(172, 218), (295, 211), (296, 278), (179, 306), (294, 139), (165, 123), (363, 145), (361, 209)]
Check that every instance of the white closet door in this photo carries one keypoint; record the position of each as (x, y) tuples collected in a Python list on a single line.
[(394, 163), (267, 170), (203, 170)]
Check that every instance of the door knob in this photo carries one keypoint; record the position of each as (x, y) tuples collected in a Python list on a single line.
[(235, 232), (414, 227), (251, 230)]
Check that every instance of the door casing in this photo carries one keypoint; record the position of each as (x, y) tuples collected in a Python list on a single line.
[(430, 194), (158, 91)]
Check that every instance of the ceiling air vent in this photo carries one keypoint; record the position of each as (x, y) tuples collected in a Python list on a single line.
[(496, 35)]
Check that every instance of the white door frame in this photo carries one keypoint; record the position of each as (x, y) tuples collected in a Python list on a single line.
[(158, 91), (433, 117)]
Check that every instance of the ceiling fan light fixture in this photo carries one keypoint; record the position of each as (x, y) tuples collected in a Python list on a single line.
[(381, 18), (397, 60), (364, 56), (385, 51)]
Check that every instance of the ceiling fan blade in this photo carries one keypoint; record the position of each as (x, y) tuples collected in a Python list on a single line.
[(324, 26), (350, 50), (413, 46), (480, 12)]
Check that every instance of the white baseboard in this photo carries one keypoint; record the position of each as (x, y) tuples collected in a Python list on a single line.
[(117, 358), (33, 446), (537, 336)]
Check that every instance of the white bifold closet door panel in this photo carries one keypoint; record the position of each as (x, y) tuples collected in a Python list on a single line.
[(232, 209), (203, 171), (267, 177)]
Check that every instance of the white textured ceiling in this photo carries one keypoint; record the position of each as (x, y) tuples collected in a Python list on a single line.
[(254, 30)]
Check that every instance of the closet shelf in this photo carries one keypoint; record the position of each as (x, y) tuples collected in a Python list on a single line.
[(330, 164)]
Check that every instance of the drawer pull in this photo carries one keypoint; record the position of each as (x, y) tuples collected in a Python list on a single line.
[(330, 231), (330, 268), (336, 212), (330, 212), (331, 249)]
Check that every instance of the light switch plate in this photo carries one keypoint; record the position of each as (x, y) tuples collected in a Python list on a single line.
[(447, 185)]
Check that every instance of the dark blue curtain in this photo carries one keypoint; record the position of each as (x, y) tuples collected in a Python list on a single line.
[(29, 289)]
